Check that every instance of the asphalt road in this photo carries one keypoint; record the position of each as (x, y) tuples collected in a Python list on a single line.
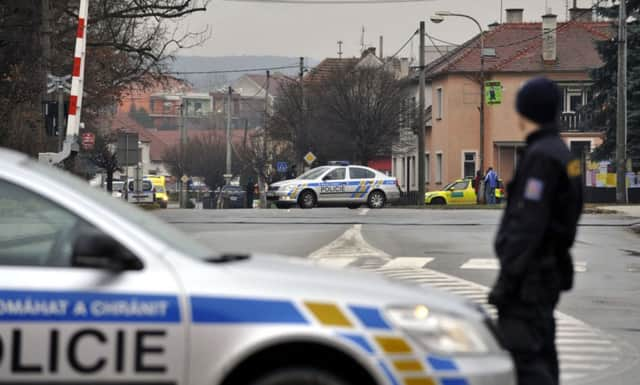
[(599, 328)]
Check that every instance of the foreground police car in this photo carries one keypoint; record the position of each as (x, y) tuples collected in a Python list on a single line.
[(336, 185), (95, 291)]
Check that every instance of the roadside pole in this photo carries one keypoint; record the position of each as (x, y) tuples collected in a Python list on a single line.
[(262, 182), (421, 122), (182, 198), (622, 195), (228, 169)]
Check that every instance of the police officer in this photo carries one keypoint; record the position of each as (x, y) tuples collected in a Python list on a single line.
[(544, 202)]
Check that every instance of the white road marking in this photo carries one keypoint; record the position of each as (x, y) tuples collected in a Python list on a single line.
[(584, 351), (363, 212), (494, 264), (580, 267), (407, 262), (349, 244), (481, 264), (584, 357), (336, 262)]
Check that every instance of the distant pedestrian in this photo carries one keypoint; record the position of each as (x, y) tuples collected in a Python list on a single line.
[(538, 229), (490, 184), (249, 188), (477, 182)]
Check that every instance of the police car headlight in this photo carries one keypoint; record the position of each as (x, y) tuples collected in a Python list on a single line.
[(440, 332), (287, 187)]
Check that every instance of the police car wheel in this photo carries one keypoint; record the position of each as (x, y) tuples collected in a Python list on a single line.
[(299, 376), (307, 199), (376, 200)]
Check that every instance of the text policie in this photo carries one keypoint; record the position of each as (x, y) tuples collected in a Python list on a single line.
[(146, 346)]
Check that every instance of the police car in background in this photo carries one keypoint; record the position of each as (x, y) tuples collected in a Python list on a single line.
[(339, 184), (93, 290)]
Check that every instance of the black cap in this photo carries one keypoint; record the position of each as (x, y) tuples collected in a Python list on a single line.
[(539, 101)]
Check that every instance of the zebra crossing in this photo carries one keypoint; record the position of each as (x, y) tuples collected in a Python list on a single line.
[(586, 354)]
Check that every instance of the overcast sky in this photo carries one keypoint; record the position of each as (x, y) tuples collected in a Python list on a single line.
[(255, 28)]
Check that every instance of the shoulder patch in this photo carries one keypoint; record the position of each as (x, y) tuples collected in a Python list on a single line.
[(533, 190), (573, 169)]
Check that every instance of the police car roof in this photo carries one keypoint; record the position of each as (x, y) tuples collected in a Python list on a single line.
[(11, 156)]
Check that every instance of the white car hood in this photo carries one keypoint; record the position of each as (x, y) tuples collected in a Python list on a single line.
[(292, 181), (268, 277)]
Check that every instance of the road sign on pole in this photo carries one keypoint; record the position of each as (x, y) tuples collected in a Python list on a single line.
[(310, 158), (282, 167), (88, 140), (493, 92)]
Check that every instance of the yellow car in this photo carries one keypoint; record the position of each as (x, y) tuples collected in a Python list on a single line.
[(460, 192), (158, 182)]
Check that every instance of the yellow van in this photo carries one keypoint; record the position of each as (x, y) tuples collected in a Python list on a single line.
[(158, 182)]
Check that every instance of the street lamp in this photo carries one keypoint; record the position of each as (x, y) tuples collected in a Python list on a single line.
[(438, 18)]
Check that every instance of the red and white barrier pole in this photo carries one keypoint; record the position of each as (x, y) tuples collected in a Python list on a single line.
[(75, 100)]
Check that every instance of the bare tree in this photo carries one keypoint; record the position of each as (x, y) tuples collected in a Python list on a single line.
[(204, 156), (104, 157), (353, 114), (127, 41), (365, 105)]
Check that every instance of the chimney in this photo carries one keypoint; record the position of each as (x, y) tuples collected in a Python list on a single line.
[(583, 15), (549, 38), (493, 25), (381, 47), (515, 15)]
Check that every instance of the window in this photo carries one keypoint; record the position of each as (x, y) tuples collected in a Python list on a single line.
[(337, 174), (439, 100), (469, 166), (461, 185), (427, 168), (361, 173), (439, 168), (35, 232)]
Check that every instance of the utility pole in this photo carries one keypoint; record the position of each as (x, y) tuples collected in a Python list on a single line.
[(229, 111), (621, 128), (183, 146), (60, 118), (481, 99), (45, 40), (266, 156), (303, 119), (421, 122)]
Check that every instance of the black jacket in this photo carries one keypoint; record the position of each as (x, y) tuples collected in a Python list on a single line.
[(544, 203)]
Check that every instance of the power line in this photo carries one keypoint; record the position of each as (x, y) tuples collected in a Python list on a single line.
[(432, 38), (405, 44), (229, 71)]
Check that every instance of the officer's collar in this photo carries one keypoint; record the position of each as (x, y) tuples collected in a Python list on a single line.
[(544, 130)]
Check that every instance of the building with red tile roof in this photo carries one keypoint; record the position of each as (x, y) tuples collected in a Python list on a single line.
[(514, 52)]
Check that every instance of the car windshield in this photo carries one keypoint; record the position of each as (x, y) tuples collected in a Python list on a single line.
[(314, 173), (447, 187), (162, 231)]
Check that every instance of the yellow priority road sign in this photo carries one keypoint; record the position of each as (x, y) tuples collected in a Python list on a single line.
[(310, 158), (493, 92)]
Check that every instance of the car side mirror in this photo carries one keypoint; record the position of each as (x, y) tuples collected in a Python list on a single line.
[(451, 188), (97, 250)]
